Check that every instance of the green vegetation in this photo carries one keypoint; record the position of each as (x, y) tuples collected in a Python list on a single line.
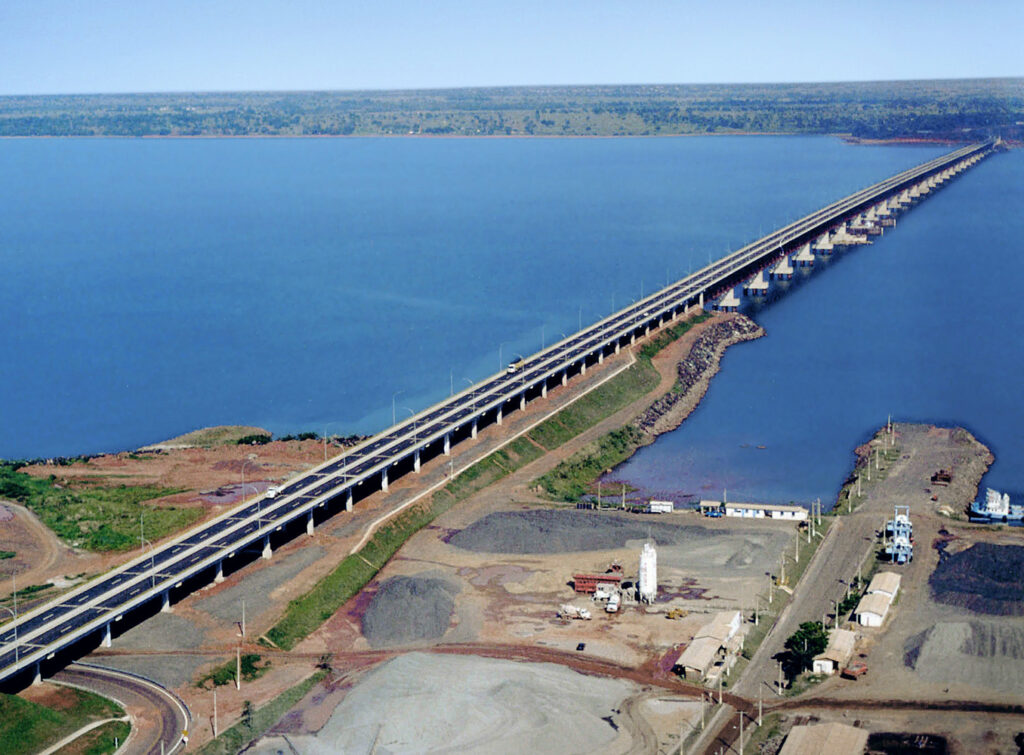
[(771, 726), (7, 554), (809, 640), (571, 479), (102, 740), (306, 613), (916, 109), (256, 721), (256, 439), (28, 727), (91, 517), (252, 669)]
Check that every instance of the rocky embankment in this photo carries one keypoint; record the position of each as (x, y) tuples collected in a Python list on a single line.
[(694, 374)]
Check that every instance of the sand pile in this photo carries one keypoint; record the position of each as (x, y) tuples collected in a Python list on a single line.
[(409, 609), (985, 578), (562, 531), (432, 703), (982, 654)]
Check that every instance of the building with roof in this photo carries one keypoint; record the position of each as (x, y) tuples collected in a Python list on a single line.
[(723, 626), (885, 583), (756, 510), (832, 738), (696, 661), (588, 583), (837, 654), (872, 609)]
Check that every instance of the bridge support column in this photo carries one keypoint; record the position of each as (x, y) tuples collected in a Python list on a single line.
[(309, 524), (600, 356), (632, 338), (616, 345), (219, 576), (37, 678), (267, 550), (384, 479), (416, 460), (472, 431), (583, 366), (106, 636), (348, 500), (499, 415), (522, 401), (447, 444), (700, 301), (165, 602), (565, 376)]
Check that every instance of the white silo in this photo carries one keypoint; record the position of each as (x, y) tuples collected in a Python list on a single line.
[(648, 573)]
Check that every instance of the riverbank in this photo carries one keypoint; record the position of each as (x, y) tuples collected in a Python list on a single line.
[(688, 376)]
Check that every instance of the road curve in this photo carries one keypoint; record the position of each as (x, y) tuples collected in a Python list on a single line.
[(157, 714)]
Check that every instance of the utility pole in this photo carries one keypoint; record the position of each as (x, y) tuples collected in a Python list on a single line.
[(760, 705), (243, 617), (623, 495), (238, 667), (215, 711), (780, 679), (599, 494), (741, 733)]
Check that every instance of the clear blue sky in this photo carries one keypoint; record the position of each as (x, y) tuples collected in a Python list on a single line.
[(71, 46)]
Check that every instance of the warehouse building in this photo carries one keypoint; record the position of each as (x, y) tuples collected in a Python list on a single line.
[(885, 583), (838, 653), (872, 609), (831, 738)]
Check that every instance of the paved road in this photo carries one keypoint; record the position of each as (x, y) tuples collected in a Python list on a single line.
[(92, 607), (157, 715)]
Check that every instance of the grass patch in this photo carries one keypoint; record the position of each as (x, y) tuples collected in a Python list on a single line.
[(260, 719), (252, 669), (92, 517), (7, 554), (771, 727), (306, 613), (571, 479), (102, 740), (28, 727)]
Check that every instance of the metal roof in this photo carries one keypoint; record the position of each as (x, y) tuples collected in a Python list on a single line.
[(832, 738)]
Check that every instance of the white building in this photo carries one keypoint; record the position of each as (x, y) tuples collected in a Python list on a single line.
[(648, 574), (872, 609), (838, 653), (660, 507), (885, 583), (761, 510)]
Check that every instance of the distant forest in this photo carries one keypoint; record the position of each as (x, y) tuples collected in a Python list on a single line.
[(955, 110)]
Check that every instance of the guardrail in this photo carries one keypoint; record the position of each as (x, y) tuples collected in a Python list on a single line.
[(251, 522)]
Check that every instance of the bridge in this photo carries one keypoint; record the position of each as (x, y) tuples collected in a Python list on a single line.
[(51, 635)]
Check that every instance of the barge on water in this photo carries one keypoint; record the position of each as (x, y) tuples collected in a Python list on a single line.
[(996, 508)]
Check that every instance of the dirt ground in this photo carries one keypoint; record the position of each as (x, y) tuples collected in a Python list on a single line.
[(927, 652), (977, 733)]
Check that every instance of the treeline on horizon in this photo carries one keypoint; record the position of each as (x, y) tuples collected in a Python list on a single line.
[(962, 109)]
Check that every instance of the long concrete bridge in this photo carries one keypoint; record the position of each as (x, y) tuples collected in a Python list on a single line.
[(51, 635)]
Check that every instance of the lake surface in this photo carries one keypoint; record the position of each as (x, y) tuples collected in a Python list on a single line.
[(151, 287)]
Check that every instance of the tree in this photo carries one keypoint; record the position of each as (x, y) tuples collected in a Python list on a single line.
[(808, 641)]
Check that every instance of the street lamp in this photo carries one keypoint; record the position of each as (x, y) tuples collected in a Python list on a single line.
[(393, 397), (325, 439), (15, 616)]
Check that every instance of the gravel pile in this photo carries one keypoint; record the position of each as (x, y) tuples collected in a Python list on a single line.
[(407, 610), (418, 702), (985, 578), (980, 653), (559, 531)]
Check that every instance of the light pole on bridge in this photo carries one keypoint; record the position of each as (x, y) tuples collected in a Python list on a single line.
[(15, 616), (394, 395)]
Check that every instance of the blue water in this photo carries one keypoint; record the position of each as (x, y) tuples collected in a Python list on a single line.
[(924, 324), (151, 287)]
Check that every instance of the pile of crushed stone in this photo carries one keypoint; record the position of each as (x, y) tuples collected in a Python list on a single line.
[(986, 579), (547, 531), (408, 610)]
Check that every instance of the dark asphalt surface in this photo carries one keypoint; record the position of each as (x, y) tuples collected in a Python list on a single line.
[(55, 624)]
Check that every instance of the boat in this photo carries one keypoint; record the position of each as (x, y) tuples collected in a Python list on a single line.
[(996, 508)]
